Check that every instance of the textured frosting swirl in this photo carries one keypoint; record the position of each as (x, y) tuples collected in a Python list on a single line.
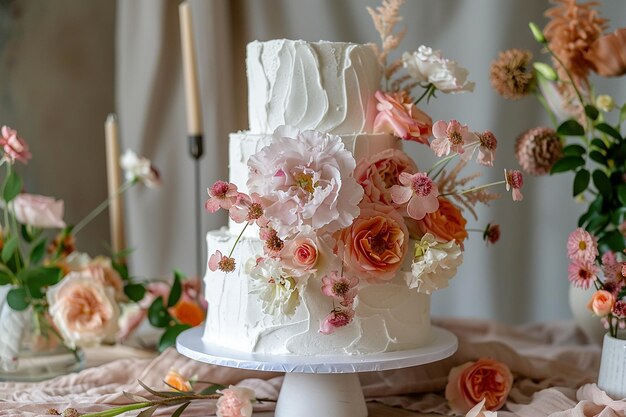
[(325, 86)]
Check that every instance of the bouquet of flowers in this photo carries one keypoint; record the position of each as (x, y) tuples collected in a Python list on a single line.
[(585, 138), (320, 211), (73, 299)]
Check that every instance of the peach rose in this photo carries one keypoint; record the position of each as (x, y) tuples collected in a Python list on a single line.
[(102, 269), (235, 402), (84, 310), (472, 382), (601, 303), (177, 381), (374, 246), (309, 252), (447, 223), (378, 173), (397, 115)]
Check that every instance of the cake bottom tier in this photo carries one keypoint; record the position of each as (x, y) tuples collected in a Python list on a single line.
[(388, 317)]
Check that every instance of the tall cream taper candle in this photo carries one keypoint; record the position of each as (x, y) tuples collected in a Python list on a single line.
[(190, 74), (114, 180)]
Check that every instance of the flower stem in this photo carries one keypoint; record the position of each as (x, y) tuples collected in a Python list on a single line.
[(118, 410), (95, 212), (470, 190), (230, 254), (542, 99), (425, 93)]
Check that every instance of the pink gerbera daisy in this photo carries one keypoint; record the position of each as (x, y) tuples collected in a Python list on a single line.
[(449, 137), (581, 246), (419, 191), (582, 274)]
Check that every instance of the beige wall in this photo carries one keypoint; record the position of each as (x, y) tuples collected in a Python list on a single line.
[(56, 89)]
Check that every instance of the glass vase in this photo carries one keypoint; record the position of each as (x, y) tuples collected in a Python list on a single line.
[(31, 348)]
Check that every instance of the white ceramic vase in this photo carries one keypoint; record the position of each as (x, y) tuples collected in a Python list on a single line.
[(591, 325), (612, 377)]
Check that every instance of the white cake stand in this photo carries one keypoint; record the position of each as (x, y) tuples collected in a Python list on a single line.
[(318, 386)]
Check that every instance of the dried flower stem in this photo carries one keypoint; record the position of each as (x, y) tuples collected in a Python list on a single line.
[(479, 187)]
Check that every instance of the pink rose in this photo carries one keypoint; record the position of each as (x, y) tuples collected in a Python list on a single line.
[(309, 252), (398, 116), (378, 173), (38, 211), (601, 303), (374, 246), (235, 402), (83, 310), (472, 382), (15, 148)]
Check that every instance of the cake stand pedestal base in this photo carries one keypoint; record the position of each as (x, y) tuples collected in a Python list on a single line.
[(316, 386)]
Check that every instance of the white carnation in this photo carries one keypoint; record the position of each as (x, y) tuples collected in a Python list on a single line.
[(277, 291), (428, 66), (434, 265)]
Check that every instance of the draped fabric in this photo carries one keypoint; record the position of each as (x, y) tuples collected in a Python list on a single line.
[(521, 278)]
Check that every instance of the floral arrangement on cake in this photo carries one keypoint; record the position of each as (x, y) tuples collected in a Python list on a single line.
[(319, 211), (585, 139), (73, 298)]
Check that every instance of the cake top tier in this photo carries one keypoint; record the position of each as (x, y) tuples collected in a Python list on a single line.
[(326, 86)]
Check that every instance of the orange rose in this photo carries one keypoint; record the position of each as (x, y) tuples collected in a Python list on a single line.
[(601, 303), (447, 223), (187, 312), (374, 246), (177, 381), (472, 382)]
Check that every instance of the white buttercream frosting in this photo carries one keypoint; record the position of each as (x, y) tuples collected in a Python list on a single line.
[(387, 317), (326, 86)]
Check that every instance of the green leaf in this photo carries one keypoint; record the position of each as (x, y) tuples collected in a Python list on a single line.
[(162, 394), (570, 128), (602, 183), (567, 163), (121, 269), (5, 277), (12, 186), (574, 150), (38, 279), (614, 240), (17, 298), (581, 181), (148, 411), (135, 292), (599, 143), (598, 157), (211, 389), (180, 410), (158, 314), (175, 291), (9, 248), (622, 114), (609, 130), (591, 112), (38, 251), (168, 338), (598, 223), (621, 194)]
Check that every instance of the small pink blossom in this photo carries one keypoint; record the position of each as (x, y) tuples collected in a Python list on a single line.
[(340, 288), (235, 402), (337, 318), (273, 244), (619, 309), (221, 262), (248, 208), (582, 274), (514, 181), (581, 246), (397, 115), (449, 137), (222, 195), (487, 148), (611, 268), (419, 191), (15, 148)]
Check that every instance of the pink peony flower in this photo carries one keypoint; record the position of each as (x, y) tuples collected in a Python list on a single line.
[(15, 148), (140, 169), (601, 303), (221, 262), (309, 252), (398, 116), (38, 211), (449, 137), (305, 178), (222, 195), (248, 208), (514, 181), (83, 310), (582, 274), (581, 246), (378, 173), (487, 148), (337, 318), (419, 191), (374, 245), (340, 287), (235, 402), (470, 383)]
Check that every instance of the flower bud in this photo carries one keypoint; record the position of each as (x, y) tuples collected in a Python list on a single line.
[(605, 103), (537, 33), (546, 71)]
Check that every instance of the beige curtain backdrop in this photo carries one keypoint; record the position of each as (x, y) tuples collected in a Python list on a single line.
[(522, 278)]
